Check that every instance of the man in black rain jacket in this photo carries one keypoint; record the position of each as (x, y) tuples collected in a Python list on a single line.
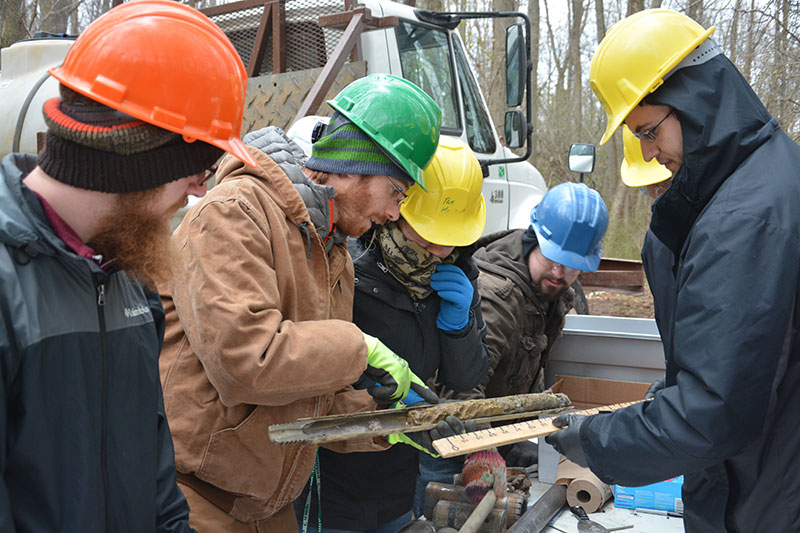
[(729, 413)]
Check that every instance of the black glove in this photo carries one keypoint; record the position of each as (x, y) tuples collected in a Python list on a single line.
[(568, 440), (423, 440), (520, 454), (655, 386)]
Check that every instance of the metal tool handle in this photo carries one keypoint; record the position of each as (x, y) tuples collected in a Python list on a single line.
[(578, 511)]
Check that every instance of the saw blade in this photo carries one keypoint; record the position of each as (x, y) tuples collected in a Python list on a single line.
[(411, 419)]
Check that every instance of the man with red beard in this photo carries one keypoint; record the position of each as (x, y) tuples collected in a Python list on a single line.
[(259, 321), (85, 236), (525, 290)]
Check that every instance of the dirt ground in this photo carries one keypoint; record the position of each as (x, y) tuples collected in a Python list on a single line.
[(615, 304)]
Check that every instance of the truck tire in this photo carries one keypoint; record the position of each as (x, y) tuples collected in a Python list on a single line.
[(581, 305)]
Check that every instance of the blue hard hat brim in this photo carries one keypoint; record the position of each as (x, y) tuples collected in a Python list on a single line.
[(555, 253)]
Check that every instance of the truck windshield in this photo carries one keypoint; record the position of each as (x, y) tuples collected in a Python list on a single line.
[(425, 59)]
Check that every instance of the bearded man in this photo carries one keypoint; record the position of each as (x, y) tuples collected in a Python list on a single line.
[(525, 286), (259, 323), (85, 237)]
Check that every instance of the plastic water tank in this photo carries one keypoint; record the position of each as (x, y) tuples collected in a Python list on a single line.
[(24, 64)]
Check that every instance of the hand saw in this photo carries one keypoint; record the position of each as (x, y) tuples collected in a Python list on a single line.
[(410, 419), (502, 435)]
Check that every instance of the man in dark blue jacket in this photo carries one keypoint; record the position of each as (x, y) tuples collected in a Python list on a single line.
[(84, 232), (727, 418)]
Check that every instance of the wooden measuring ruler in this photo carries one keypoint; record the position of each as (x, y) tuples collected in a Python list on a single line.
[(499, 436)]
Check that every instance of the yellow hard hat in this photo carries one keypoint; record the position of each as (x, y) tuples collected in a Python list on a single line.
[(452, 212), (635, 171), (635, 55)]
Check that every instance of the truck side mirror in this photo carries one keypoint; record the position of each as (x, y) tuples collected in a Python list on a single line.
[(581, 157), (515, 129), (515, 60)]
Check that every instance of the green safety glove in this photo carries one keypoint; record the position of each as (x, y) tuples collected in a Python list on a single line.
[(423, 440), (387, 377)]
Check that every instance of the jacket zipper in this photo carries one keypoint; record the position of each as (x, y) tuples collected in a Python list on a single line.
[(101, 302)]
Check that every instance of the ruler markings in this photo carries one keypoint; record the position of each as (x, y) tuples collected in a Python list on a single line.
[(510, 433)]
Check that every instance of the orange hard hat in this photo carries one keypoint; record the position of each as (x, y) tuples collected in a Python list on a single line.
[(164, 63)]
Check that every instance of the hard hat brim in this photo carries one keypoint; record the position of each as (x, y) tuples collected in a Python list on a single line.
[(555, 253)]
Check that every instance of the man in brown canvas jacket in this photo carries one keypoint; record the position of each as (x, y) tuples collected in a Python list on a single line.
[(259, 327)]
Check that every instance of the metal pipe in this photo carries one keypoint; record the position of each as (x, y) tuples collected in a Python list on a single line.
[(535, 519), (480, 513)]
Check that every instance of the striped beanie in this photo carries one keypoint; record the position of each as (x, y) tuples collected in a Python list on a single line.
[(344, 148), (95, 147)]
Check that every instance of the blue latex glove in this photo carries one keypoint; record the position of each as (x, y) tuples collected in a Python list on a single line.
[(412, 398), (568, 440), (455, 290)]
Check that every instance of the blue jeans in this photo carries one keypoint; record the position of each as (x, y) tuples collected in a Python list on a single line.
[(388, 527), (434, 469)]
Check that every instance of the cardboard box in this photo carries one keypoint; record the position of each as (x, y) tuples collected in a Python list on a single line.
[(585, 393), (593, 392), (663, 496)]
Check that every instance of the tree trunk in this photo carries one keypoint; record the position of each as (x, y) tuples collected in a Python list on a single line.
[(12, 22), (600, 17), (574, 53), (695, 10), (634, 6), (496, 94), (534, 15)]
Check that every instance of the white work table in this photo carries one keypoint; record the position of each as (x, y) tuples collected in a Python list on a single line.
[(609, 516)]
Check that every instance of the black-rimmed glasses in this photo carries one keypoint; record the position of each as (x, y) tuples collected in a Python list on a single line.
[(398, 191), (650, 135)]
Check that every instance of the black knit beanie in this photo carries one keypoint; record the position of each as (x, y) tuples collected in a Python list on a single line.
[(94, 147)]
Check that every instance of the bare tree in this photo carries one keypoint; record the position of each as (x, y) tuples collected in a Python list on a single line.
[(13, 23), (534, 16), (634, 6)]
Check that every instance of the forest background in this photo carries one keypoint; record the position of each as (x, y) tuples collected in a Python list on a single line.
[(762, 37)]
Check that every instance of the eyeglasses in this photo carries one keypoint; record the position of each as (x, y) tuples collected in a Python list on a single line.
[(209, 173), (650, 135), (397, 191), (555, 267)]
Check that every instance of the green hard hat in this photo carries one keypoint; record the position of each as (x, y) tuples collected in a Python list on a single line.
[(397, 115)]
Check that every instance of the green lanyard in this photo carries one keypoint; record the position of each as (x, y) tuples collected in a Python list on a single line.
[(315, 476)]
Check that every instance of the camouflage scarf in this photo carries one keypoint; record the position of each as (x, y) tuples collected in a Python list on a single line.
[(408, 262)]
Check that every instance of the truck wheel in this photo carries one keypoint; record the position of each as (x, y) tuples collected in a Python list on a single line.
[(581, 304)]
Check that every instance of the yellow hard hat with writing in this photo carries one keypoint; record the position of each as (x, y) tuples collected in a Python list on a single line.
[(452, 212)]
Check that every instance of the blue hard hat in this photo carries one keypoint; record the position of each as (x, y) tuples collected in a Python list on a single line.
[(570, 222)]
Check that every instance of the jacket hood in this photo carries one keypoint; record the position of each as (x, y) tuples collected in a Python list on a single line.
[(290, 158), (723, 122), (502, 253)]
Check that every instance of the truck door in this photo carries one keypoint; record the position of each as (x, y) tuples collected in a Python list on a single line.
[(434, 59), (482, 139)]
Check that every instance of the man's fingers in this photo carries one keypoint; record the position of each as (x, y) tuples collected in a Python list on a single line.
[(427, 394)]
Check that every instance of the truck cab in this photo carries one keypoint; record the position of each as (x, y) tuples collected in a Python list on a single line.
[(435, 59)]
